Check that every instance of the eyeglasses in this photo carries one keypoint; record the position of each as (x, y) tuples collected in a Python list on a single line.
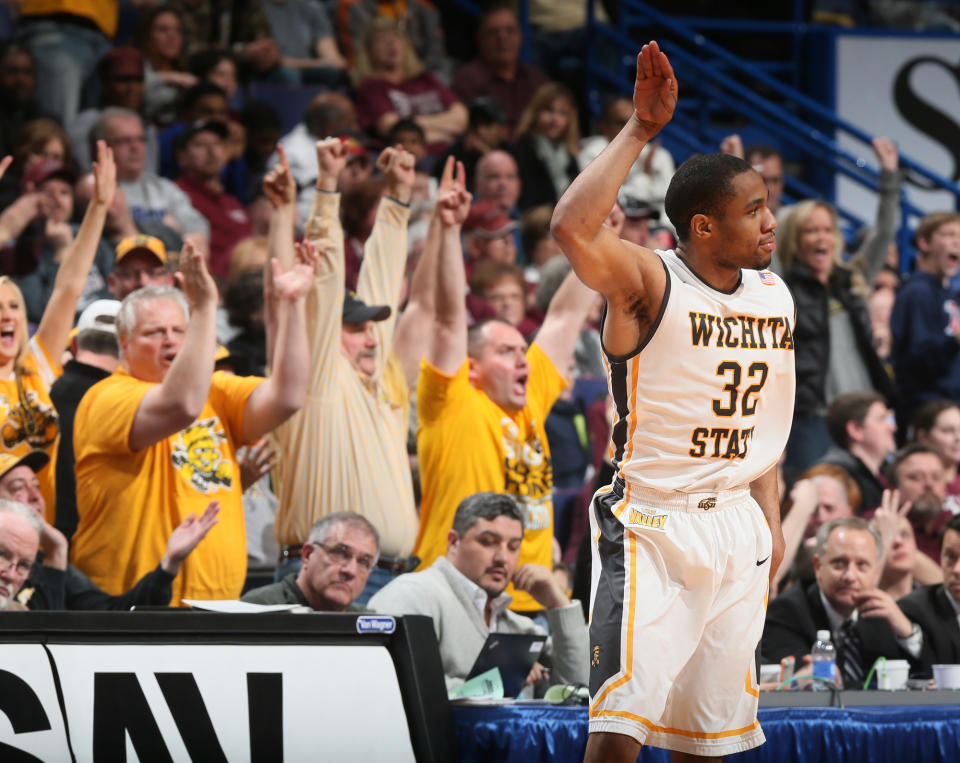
[(9, 562), (342, 554)]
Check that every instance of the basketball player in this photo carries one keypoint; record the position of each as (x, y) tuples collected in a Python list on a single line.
[(699, 350)]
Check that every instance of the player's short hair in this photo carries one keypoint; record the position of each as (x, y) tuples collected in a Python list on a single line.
[(702, 185), (852, 406), (475, 336), (892, 472), (322, 527), (487, 505), (846, 523), (23, 511), (952, 524)]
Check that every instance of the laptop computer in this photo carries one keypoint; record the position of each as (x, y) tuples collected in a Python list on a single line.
[(513, 654)]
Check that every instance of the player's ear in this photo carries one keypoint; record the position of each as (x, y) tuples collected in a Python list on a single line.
[(701, 226)]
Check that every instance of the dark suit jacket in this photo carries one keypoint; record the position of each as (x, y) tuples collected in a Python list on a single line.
[(930, 608), (793, 619)]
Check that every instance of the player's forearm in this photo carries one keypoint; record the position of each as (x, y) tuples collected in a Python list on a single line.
[(766, 492), (587, 202)]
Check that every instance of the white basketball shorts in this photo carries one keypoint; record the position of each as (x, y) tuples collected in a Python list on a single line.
[(678, 600)]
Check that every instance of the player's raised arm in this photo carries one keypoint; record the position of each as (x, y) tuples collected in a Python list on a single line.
[(601, 259)]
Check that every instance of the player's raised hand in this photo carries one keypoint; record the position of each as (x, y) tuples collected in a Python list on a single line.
[(655, 90)]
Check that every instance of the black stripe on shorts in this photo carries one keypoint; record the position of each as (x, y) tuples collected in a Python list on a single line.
[(605, 624)]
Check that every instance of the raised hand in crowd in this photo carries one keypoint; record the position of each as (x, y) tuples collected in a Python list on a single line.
[(194, 278), (104, 176), (453, 199), (888, 516), (331, 160), (398, 168), (887, 154), (78, 256), (187, 536), (255, 461), (279, 186), (732, 145), (295, 282)]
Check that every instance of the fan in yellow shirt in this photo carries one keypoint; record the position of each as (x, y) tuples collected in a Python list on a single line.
[(157, 440), (483, 397)]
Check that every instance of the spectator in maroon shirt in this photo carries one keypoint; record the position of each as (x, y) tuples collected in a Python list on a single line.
[(393, 86), (497, 71), (202, 157)]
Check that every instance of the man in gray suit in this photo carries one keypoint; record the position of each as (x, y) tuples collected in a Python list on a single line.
[(464, 593)]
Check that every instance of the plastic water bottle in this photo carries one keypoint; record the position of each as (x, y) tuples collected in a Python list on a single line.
[(824, 657)]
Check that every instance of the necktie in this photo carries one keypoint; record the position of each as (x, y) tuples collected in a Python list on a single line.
[(850, 655)]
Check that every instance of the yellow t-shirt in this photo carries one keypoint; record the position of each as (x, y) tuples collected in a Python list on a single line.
[(103, 13), (130, 501), (28, 418), (467, 444)]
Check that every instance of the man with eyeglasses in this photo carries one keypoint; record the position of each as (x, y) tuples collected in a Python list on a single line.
[(149, 196), (19, 543), (54, 583), (141, 261), (337, 559)]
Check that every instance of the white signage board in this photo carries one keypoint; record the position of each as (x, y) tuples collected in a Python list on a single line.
[(206, 702), (907, 89)]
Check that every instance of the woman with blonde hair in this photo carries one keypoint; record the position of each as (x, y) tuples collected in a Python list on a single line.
[(833, 338), (29, 365), (547, 141), (392, 85)]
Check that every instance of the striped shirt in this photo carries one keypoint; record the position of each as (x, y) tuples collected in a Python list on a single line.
[(345, 450)]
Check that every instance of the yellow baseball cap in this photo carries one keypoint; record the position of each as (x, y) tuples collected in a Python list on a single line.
[(147, 243), (35, 459)]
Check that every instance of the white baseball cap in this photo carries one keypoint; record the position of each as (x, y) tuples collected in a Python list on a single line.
[(100, 315)]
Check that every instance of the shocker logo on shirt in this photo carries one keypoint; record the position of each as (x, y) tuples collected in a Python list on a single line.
[(529, 474), (197, 455), (28, 421)]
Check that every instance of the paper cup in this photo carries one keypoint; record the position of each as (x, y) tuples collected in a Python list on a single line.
[(770, 673), (947, 676), (893, 674)]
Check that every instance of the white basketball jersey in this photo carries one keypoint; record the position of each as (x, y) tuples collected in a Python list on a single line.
[(706, 403)]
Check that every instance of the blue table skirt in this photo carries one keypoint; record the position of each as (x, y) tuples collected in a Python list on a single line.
[(532, 733)]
